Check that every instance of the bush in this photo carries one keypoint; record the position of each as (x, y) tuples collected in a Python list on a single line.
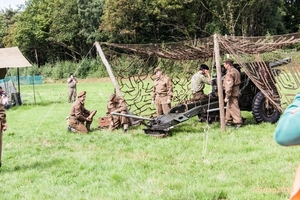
[(88, 68)]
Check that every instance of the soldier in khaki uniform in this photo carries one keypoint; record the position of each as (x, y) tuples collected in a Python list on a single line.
[(162, 92), (232, 87), (198, 81), (72, 81), (118, 105), (80, 119), (3, 126)]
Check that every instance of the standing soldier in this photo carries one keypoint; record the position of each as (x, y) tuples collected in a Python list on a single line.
[(232, 88), (80, 119), (162, 92), (3, 126), (198, 81), (118, 105), (72, 81)]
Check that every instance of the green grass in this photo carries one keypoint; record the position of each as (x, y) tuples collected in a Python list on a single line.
[(41, 160)]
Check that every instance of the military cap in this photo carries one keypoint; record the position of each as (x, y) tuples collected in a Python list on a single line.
[(229, 61), (156, 70), (81, 93), (203, 66), (112, 96)]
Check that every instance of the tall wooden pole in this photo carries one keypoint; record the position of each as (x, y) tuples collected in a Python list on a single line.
[(18, 74), (108, 68), (219, 82), (111, 75)]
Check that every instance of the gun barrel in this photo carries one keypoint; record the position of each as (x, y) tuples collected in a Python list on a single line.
[(280, 62), (214, 109), (132, 116)]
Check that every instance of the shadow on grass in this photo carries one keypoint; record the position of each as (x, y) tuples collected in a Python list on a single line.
[(44, 103), (191, 126), (195, 127), (29, 166)]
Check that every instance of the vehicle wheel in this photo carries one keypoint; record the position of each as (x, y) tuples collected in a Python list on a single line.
[(263, 112)]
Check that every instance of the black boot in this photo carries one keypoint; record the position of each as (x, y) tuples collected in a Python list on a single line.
[(88, 127)]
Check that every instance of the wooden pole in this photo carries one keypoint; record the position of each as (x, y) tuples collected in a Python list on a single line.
[(18, 74), (108, 68), (219, 82), (111, 75), (33, 77)]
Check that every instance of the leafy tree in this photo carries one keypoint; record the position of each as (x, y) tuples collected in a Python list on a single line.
[(152, 21), (51, 30), (292, 15), (32, 29), (89, 13), (64, 30), (181, 20), (128, 21), (7, 19), (244, 17)]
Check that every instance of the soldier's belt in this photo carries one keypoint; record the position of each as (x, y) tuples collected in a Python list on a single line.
[(199, 92), (162, 94), (73, 117)]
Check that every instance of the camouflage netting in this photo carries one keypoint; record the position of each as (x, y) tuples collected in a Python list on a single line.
[(180, 61)]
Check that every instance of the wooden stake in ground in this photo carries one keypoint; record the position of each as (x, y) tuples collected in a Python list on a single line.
[(219, 82)]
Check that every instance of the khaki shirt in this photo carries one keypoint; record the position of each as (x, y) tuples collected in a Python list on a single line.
[(72, 82), (118, 106), (162, 86), (78, 111), (198, 82), (232, 82)]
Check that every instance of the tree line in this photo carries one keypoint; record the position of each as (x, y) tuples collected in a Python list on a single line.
[(47, 31)]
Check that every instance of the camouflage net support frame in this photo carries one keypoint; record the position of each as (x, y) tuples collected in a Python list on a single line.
[(133, 66)]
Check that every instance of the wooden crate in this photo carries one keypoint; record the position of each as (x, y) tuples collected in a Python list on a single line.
[(103, 122)]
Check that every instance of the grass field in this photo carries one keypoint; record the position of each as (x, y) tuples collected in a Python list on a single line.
[(41, 160)]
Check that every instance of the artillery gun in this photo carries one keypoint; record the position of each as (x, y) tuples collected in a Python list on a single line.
[(250, 99)]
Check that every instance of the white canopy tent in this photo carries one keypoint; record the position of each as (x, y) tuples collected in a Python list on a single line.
[(12, 57)]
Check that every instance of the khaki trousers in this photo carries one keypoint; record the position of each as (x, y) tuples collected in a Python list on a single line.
[(233, 112), (162, 107), (118, 121), (199, 96), (72, 95), (79, 126)]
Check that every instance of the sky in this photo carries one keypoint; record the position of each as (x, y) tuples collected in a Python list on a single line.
[(12, 3)]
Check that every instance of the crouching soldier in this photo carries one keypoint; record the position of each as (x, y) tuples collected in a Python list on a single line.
[(80, 119), (118, 105)]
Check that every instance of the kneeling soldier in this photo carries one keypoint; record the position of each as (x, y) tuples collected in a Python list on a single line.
[(118, 105), (80, 119)]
